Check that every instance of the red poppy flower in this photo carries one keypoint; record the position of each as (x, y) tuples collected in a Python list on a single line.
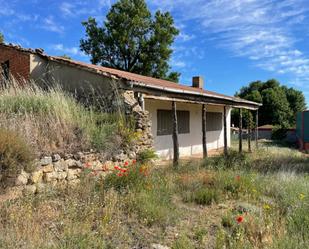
[(126, 164), (240, 219), (237, 178), (120, 174), (133, 161), (116, 167)]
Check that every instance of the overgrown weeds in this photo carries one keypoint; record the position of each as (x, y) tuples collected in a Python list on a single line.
[(15, 155), (51, 120), (198, 205)]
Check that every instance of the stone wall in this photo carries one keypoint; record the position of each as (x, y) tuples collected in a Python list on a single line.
[(62, 170), (142, 121)]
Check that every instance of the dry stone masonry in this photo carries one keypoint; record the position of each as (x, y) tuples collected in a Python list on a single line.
[(55, 169)]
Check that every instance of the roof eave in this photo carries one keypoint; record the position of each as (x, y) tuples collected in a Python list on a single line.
[(239, 103)]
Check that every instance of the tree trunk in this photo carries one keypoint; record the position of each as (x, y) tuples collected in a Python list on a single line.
[(175, 136), (204, 131), (225, 132), (240, 130)]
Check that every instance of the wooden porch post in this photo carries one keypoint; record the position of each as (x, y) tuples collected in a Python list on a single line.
[(249, 132), (204, 131), (257, 129), (175, 136), (225, 131), (240, 130)]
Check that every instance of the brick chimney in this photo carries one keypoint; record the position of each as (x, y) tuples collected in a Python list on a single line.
[(198, 82)]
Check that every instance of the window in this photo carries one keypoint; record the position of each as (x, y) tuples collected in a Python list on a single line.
[(214, 121), (5, 70), (165, 122)]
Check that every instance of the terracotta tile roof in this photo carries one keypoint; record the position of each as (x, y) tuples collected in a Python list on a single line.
[(136, 78)]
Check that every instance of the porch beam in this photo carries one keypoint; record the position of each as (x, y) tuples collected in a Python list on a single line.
[(240, 130), (204, 140), (175, 136), (225, 131)]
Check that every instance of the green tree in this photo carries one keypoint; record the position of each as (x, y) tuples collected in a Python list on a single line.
[(65, 57), (280, 104), (1, 38), (132, 40)]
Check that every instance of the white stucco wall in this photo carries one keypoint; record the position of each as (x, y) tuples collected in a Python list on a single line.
[(191, 143)]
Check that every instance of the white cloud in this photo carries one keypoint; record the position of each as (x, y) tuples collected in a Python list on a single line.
[(75, 8), (261, 30), (67, 8), (49, 24), (185, 37), (75, 51), (177, 63)]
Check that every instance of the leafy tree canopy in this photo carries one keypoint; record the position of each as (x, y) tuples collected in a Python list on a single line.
[(280, 103), (132, 40), (1, 38)]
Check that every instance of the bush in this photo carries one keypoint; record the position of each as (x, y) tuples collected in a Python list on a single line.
[(146, 155), (278, 133), (15, 155), (233, 160), (205, 196), (183, 242)]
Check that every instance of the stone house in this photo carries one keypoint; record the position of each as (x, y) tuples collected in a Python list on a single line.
[(171, 117)]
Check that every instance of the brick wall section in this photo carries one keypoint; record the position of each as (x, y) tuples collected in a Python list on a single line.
[(19, 62)]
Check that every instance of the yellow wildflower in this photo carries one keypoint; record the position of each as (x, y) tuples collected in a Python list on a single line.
[(267, 207), (301, 196)]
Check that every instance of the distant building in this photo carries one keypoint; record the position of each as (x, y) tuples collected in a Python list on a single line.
[(302, 130)]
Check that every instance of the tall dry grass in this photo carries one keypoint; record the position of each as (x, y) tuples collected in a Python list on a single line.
[(51, 120)]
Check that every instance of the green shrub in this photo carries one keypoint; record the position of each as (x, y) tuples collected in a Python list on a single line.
[(233, 160), (146, 155), (205, 196), (15, 155), (183, 242), (278, 133)]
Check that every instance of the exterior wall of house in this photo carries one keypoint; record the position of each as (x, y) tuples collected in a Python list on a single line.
[(190, 143), (84, 84), (19, 62)]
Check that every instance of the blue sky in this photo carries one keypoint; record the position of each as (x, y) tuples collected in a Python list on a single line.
[(229, 42)]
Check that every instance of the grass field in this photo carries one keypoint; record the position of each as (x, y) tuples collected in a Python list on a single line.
[(257, 200)]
